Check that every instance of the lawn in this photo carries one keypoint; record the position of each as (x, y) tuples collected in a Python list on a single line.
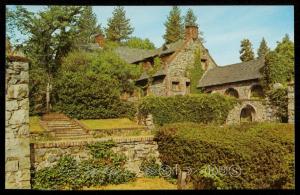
[(140, 184), (34, 124), (110, 123)]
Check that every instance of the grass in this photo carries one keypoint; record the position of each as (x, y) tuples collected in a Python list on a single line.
[(34, 124), (139, 184), (109, 123)]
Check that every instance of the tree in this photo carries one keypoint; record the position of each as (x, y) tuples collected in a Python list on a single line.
[(263, 48), (119, 28), (190, 18), (279, 66), (246, 51), (174, 26), (51, 34), (139, 43), (87, 26)]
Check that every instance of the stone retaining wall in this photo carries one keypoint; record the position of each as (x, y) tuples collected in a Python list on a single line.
[(17, 152), (46, 154)]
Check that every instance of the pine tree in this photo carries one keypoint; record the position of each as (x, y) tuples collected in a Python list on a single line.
[(190, 18), (174, 26), (263, 48), (87, 26), (118, 26), (246, 51)]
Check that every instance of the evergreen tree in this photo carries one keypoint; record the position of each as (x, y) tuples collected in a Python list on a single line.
[(263, 48), (280, 63), (246, 51), (87, 26), (174, 26), (118, 26), (190, 18)]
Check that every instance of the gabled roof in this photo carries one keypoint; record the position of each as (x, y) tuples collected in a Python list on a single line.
[(144, 76), (232, 73), (132, 55)]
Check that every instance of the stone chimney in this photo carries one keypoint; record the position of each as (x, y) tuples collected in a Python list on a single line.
[(99, 38), (191, 32)]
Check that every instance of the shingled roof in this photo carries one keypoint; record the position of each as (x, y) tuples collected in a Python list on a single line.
[(232, 73)]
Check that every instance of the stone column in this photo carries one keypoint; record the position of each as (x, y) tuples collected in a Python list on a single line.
[(291, 103), (17, 149)]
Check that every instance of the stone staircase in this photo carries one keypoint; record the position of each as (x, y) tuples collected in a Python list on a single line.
[(62, 127)]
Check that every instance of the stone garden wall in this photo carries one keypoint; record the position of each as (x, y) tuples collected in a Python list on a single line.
[(17, 151), (135, 149)]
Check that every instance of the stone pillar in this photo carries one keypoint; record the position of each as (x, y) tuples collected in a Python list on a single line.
[(17, 149), (291, 103)]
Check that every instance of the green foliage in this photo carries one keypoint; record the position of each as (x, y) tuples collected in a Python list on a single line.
[(139, 43), (150, 167), (89, 85), (195, 73), (279, 65), (174, 26), (246, 52), (204, 108), (118, 26), (279, 99), (105, 167), (263, 49), (190, 18), (87, 26), (263, 151), (37, 91)]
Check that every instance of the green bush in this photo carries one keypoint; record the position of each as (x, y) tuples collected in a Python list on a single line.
[(202, 108), (105, 167), (150, 167), (264, 152), (90, 96), (279, 99)]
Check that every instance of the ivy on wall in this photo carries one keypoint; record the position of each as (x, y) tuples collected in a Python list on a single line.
[(196, 71)]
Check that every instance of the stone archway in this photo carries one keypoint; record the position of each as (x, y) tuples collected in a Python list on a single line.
[(256, 91), (247, 114), (232, 92)]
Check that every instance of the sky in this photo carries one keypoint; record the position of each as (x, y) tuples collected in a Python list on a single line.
[(223, 27)]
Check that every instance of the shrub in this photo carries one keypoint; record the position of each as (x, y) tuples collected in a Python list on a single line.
[(150, 167), (90, 96), (264, 152), (279, 99), (203, 108), (105, 167)]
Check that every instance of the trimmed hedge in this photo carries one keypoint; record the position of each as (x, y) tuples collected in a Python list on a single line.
[(264, 152), (201, 108)]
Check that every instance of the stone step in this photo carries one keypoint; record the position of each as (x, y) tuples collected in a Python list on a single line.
[(63, 126), (69, 131)]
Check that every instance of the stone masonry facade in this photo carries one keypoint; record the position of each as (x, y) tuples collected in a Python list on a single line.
[(134, 148), (17, 150)]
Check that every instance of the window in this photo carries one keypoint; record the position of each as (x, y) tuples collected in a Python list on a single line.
[(188, 88), (256, 92), (232, 92), (175, 86)]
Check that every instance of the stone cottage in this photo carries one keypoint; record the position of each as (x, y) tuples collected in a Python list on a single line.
[(241, 81), (176, 58)]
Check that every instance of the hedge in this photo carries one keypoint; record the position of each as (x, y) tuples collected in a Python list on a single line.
[(264, 152), (202, 108)]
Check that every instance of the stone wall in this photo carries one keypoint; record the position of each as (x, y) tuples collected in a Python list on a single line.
[(17, 151), (291, 104), (263, 111), (243, 88), (134, 148), (177, 68), (158, 87)]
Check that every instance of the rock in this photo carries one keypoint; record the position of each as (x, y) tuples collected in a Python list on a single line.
[(11, 166), (277, 85), (17, 91), (11, 105), (24, 104), (24, 77), (19, 117)]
